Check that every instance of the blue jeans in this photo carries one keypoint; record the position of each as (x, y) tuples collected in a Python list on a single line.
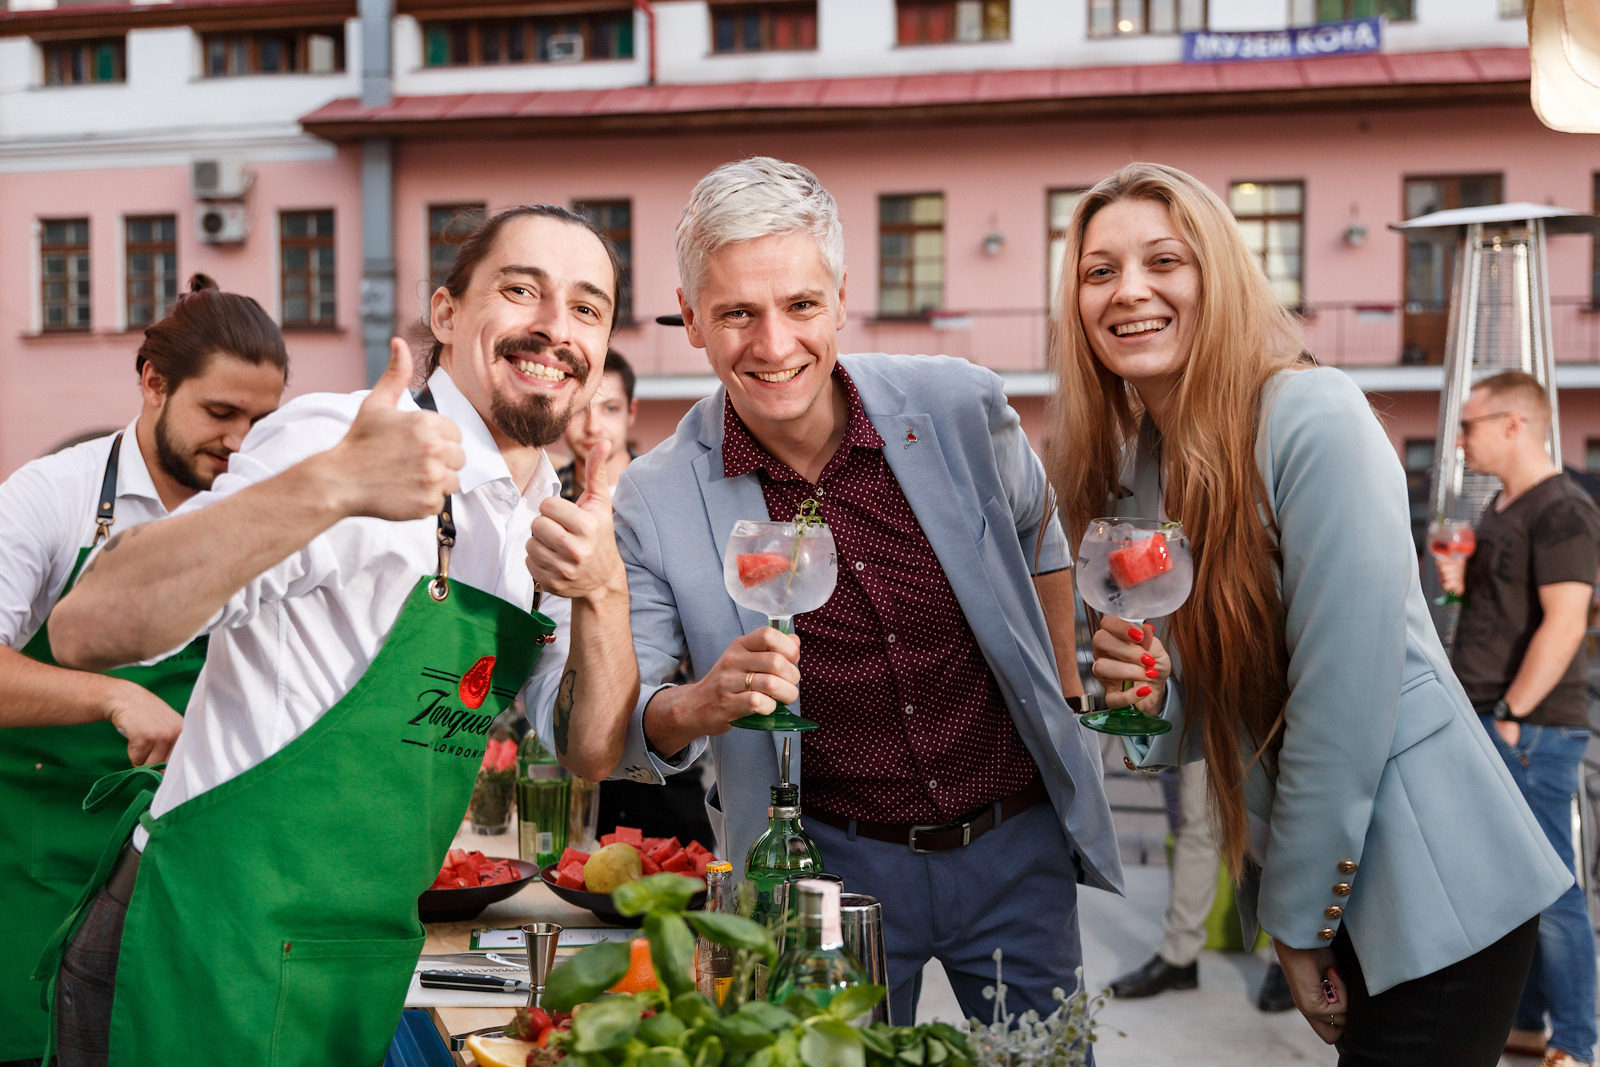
[(1545, 765)]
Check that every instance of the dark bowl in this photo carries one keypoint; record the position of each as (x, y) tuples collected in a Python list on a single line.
[(459, 905), (600, 903)]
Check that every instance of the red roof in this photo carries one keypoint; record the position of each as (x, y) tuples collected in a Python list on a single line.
[(1471, 76)]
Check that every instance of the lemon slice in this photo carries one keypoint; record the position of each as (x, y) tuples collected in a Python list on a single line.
[(500, 1051)]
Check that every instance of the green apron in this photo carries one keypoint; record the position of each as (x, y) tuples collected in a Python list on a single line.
[(274, 917), (48, 842)]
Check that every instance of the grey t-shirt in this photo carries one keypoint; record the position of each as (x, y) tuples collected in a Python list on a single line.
[(1551, 533)]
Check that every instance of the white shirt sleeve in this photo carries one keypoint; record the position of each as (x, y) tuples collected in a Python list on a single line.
[(42, 512)]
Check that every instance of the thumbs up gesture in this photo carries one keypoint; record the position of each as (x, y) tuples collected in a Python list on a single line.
[(572, 550), (395, 464)]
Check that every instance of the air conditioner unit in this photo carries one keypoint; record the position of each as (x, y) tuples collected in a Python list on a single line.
[(218, 179), (221, 224), (565, 48)]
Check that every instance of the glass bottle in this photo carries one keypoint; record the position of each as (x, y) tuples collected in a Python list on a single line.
[(714, 962), (815, 963), (544, 792), (780, 853), (493, 793)]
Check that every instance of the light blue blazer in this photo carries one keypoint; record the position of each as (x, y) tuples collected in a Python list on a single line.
[(1392, 812), (977, 489)]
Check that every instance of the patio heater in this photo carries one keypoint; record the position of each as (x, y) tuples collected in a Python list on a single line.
[(1499, 320)]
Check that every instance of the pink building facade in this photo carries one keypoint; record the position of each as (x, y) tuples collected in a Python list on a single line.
[(968, 150)]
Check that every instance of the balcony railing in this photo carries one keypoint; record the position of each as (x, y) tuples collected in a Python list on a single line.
[(1339, 334)]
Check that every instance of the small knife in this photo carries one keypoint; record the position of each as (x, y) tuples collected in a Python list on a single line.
[(478, 983)]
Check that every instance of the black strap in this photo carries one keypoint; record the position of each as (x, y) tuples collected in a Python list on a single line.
[(105, 514), (447, 526)]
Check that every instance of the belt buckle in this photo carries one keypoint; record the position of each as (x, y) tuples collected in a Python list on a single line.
[(911, 838)]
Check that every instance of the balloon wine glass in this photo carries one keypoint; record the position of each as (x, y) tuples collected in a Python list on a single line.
[(1135, 569), (781, 569), (1451, 539)]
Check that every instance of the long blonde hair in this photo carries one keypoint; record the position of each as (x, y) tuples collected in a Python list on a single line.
[(1230, 633)]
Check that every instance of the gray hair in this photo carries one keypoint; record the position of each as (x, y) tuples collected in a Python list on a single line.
[(750, 198)]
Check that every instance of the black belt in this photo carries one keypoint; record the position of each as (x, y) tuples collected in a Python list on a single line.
[(926, 837), (120, 884)]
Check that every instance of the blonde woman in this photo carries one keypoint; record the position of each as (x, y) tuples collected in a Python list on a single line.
[(1396, 867)]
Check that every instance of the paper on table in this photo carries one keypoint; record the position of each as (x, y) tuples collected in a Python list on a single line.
[(511, 937)]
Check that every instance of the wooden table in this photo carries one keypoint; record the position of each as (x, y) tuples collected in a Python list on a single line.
[(535, 903)]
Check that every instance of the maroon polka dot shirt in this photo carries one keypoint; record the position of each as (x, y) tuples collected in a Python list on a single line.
[(913, 726)]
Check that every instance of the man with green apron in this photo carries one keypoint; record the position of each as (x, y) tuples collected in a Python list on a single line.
[(207, 371), (361, 641)]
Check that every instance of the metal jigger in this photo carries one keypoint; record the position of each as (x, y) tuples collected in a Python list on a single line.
[(541, 940)]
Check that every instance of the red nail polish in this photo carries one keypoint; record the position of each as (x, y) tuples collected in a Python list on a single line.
[(1151, 672), (1135, 635), (1143, 691), (1148, 660)]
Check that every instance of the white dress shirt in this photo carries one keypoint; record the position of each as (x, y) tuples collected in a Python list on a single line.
[(292, 643), (47, 513)]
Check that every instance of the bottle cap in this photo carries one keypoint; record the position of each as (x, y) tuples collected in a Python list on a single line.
[(719, 867), (786, 796), (819, 907)]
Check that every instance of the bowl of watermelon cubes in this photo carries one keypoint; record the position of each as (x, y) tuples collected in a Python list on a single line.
[(470, 882), (567, 879)]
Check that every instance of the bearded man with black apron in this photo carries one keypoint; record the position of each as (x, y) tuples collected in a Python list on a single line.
[(263, 909), (64, 729)]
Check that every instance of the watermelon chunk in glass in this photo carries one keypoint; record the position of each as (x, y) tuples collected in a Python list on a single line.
[(758, 567), (1140, 561)]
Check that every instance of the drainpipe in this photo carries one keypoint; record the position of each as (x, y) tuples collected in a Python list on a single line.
[(377, 192), (649, 10)]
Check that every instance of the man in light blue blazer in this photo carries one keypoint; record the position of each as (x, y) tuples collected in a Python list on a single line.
[(761, 259)]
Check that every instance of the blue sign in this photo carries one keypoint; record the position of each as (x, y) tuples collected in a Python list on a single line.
[(1324, 39)]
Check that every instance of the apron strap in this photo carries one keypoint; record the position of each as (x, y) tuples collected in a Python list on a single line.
[(136, 788), (439, 588), (105, 514)]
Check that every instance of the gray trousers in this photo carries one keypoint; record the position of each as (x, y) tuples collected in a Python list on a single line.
[(1193, 876)]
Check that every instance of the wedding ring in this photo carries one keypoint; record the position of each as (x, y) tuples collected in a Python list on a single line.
[(749, 680)]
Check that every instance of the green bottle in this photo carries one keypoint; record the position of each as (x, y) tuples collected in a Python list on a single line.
[(815, 963), (544, 792), (780, 853)]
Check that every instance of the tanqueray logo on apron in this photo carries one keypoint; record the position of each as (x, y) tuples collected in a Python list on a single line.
[(449, 720)]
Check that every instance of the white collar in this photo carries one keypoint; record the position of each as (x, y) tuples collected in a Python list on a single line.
[(133, 470), (484, 463)]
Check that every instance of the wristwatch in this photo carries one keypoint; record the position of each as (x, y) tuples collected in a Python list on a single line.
[(1502, 712)]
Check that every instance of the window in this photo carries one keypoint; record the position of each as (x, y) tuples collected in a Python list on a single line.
[(1060, 205), (64, 273), (910, 254), (614, 218), (772, 27), (1309, 12), (152, 267), (495, 42), (1419, 452), (940, 21), (1429, 267), (305, 250), (1137, 18), (85, 62), (1591, 455), (312, 51), (448, 226), (1513, 9), (1272, 220)]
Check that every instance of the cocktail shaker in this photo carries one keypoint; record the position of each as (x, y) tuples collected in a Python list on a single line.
[(861, 924)]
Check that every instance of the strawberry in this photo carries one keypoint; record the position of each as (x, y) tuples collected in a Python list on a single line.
[(758, 567)]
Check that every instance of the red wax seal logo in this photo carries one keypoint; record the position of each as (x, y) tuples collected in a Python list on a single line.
[(475, 683)]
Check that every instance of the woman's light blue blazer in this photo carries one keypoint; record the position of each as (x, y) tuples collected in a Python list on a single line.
[(1391, 812)]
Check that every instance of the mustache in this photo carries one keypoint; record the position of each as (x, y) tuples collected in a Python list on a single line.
[(507, 347)]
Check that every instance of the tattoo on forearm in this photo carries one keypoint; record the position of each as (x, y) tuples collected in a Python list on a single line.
[(564, 700), (111, 544)]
